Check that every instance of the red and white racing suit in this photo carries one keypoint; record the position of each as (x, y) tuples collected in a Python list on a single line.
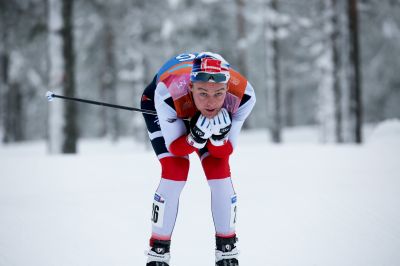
[(170, 96)]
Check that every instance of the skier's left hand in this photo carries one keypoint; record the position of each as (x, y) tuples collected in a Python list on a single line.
[(200, 131), (221, 125)]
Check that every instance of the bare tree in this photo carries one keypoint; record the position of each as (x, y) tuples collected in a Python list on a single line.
[(354, 74), (4, 66), (337, 95), (10, 89), (273, 73), (330, 111), (63, 132), (12, 64)]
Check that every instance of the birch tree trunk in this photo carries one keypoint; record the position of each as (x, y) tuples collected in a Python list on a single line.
[(273, 75), (62, 128), (329, 101)]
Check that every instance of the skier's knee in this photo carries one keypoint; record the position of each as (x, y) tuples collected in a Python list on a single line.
[(216, 168), (175, 168)]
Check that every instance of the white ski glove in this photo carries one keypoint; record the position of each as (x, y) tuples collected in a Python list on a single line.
[(221, 125), (200, 131)]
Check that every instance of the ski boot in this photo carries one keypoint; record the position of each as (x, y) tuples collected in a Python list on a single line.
[(226, 253), (158, 255)]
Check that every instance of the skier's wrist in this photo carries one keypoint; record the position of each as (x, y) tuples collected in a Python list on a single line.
[(219, 140), (196, 142), (180, 147)]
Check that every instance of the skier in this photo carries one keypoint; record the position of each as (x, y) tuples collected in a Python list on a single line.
[(201, 105)]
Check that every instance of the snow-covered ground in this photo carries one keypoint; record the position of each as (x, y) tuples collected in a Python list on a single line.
[(300, 203)]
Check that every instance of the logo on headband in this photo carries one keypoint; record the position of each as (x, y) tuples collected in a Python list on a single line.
[(210, 70), (210, 65)]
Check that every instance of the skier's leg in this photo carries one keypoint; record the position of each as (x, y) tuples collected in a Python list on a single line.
[(165, 208), (223, 205), (223, 197), (166, 199), (173, 178)]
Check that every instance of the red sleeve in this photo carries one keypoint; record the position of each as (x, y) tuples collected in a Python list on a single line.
[(220, 151), (180, 147)]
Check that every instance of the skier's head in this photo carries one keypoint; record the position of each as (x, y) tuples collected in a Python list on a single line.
[(209, 82)]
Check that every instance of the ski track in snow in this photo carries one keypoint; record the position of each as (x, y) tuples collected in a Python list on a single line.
[(299, 204)]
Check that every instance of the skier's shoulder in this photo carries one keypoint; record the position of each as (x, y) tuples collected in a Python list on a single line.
[(179, 64), (163, 101)]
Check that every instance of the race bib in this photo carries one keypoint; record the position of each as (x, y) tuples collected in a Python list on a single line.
[(233, 211), (157, 216)]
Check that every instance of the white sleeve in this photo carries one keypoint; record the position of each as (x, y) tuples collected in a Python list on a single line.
[(171, 126), (241, 114)]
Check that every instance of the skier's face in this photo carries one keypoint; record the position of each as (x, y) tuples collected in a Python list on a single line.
[(208, 97)]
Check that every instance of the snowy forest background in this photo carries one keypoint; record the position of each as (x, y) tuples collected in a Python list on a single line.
[(327, 63), (326, 75)]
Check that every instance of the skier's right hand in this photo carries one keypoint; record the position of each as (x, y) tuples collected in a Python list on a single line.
[(200, 131), (222, 124)]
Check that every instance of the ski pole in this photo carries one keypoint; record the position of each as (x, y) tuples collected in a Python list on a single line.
[(51, 95)]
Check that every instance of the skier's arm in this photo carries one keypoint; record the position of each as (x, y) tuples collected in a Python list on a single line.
[(173, 129), (238, 118)]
